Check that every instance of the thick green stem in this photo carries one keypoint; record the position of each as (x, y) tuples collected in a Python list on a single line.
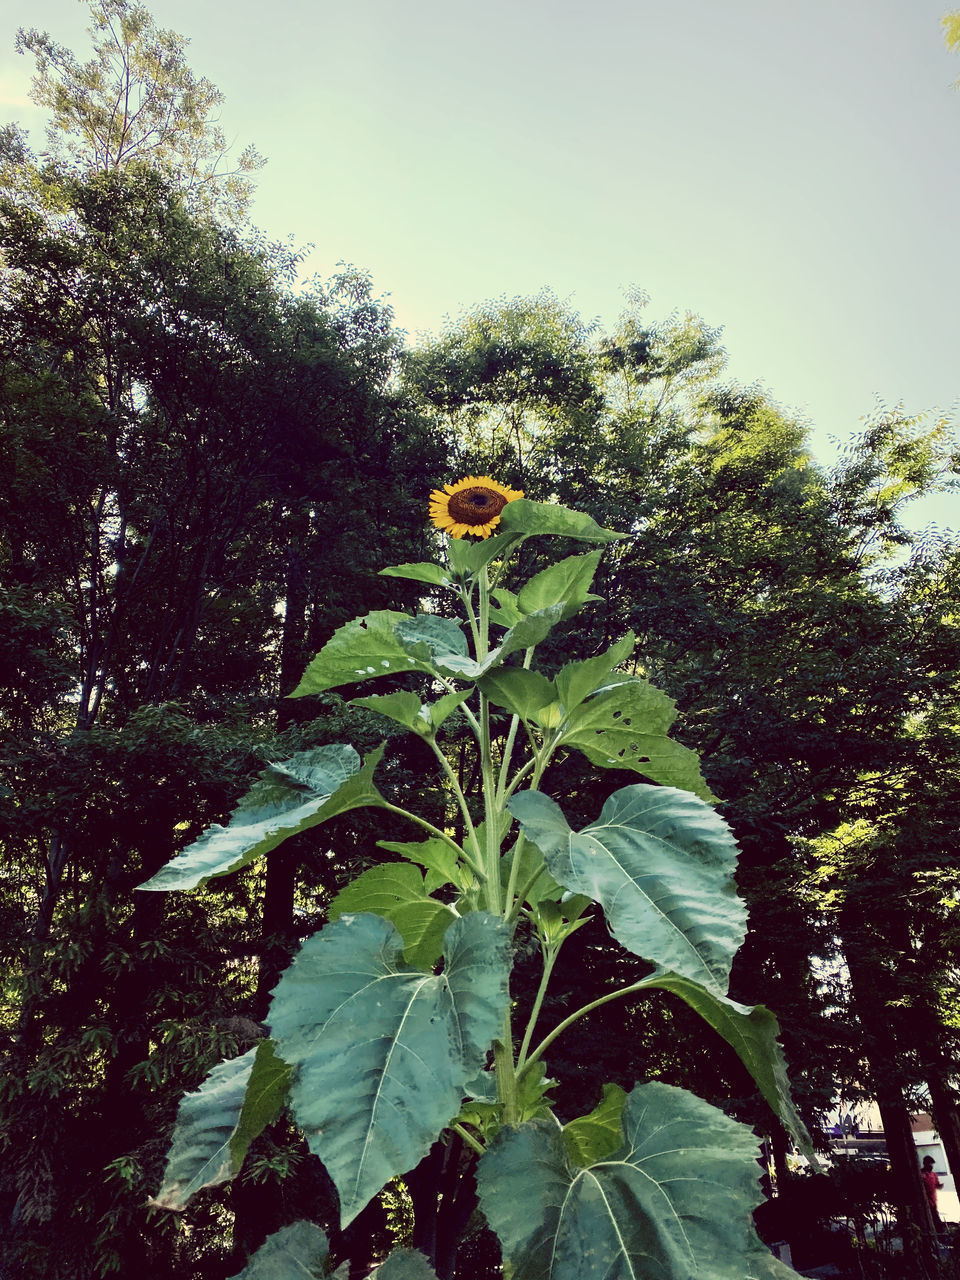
[(502, 790), (506, 1073), (549, 960), (461, 801)]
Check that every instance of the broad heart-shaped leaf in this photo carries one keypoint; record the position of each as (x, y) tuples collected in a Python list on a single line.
[(522, 692), (529, 631), (404, 1264), (289, 796), (435, 574), (625, 727), (672, 1203), (359, 650), (506, 614), (597, 1135), (660, 862), (526, 517), (752, 1032), (577, 680), (382, 1052), (566, 583), (201, 1153), (444, 707), (297, 1252), (395, 890), (437, 644)]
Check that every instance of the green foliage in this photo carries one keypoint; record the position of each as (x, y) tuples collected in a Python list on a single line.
[(673, 1198), (752, 1033), (398, 892), (404, 1264), (297, 1250), (382, 1052), (660, 863), (385, 1053), (137, 101), (205, 1150), (594, 1137), (529, 518), (289, 797)]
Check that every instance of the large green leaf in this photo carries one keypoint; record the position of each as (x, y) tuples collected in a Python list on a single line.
[(444, 707), (435, 574), (522, 692), (671, 1203), (752, 1032), (526, 517), (660, 862), (597, 1135), (289, 796), (438, 644), (359, 650), (202, 1152), (403, 708), (566, 583), (297, 1252), (577, 680), (371, 1105), (395, 890), (529, 631), (625, 727), (404, 1264)]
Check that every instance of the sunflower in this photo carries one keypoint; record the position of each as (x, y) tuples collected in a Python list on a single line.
[(472, 506)]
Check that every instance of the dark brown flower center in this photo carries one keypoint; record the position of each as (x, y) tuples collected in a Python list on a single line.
[(476, 505)]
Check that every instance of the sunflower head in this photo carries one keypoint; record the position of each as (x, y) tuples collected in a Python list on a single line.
[(472, 506)]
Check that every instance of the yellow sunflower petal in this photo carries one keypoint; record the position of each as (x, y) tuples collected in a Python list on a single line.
[(470, 506)]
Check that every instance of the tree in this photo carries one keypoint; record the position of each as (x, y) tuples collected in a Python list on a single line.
[(176, 429), (136, 101)]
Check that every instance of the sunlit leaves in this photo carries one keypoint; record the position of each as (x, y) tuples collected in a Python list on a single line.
[(359, 650), (567, 582), (625, 727), (395, 890), (528, 518), (752, 1032)]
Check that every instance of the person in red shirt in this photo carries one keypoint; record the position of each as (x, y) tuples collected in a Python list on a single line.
[(931, 1184)]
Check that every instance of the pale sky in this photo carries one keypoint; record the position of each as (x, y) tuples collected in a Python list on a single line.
[(791, 172)]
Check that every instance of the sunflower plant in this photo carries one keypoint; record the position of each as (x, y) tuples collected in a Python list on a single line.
[(393, 1027)]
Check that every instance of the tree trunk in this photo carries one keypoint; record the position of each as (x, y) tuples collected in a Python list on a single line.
[(279, 937), (869, 978), (946, 1118)]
